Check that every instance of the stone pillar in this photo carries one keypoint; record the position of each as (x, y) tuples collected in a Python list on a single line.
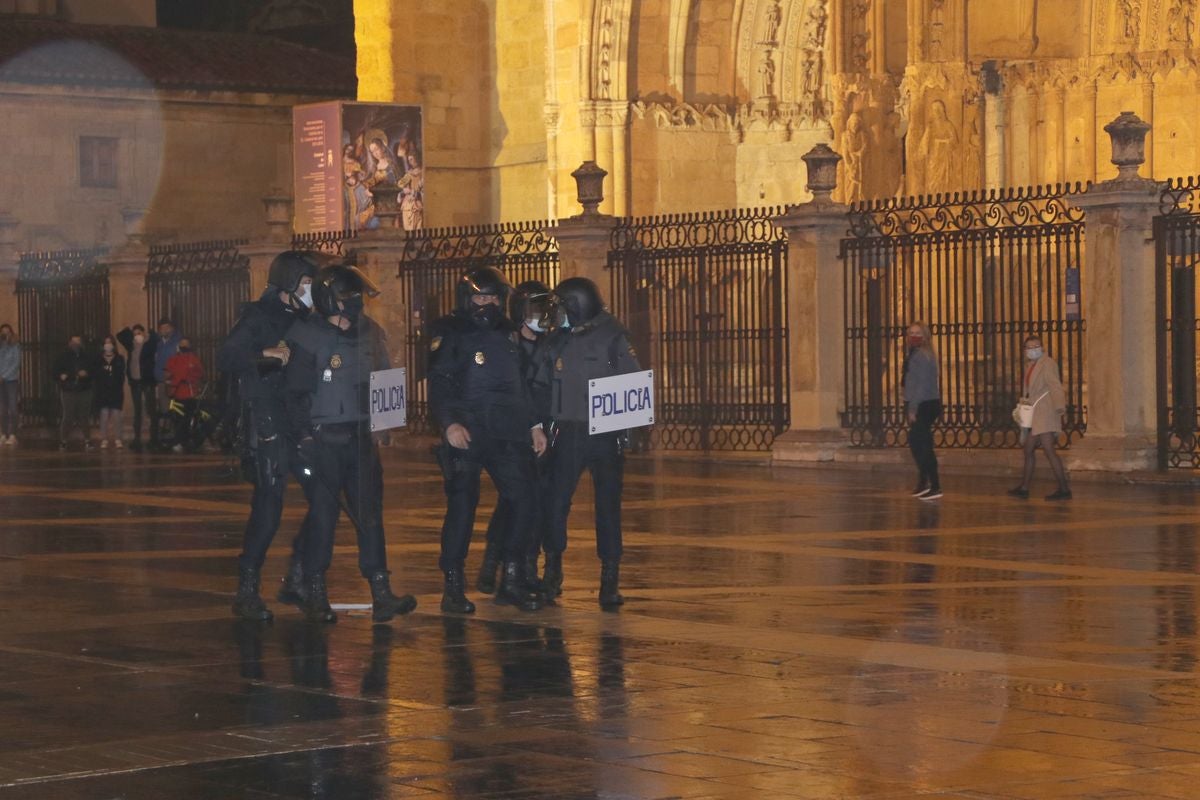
[(583, 240), (127, 274), (9, 260), (1118, 287), (378, 253), (816, 324), (278, 207)]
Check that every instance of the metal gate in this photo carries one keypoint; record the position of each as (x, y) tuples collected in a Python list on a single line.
[(983, 271), (431, 264), (201, 288), (1177, 248), (704, 298), (59, 295)]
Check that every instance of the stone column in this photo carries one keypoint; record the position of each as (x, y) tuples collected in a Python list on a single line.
[(9, 260), (378, 253), (1118, 305), (583, 240), (127, 274), (816, 324)]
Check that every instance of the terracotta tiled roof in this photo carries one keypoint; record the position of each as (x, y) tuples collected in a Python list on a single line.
[(61, 53)]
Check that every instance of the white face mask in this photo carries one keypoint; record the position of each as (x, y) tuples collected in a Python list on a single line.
[(108, 348), (535, 325), (304, 295), (1034, 353), (139, 339)]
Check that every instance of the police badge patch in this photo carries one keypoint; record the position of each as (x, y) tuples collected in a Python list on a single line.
[(479, 359), (558, 365), (435, 344), (336, 361)]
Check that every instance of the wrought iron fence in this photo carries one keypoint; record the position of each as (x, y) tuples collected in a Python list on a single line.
[(984, 270), (434, 259), (704, 297), (200, 287), (1177, 251), (59, 295), (331, 242)]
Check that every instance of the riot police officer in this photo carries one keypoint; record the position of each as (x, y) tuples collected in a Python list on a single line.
[(592, 344), (333, 353), (529, 309), (254, 354), (478, 395)]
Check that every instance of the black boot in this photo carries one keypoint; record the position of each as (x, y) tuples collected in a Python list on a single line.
[(316, 600), (291, 590), (384, 604), (454, 597), (552, 575), (486, 583), (247, 604), (529, 574), (512, 590), (610, 579)]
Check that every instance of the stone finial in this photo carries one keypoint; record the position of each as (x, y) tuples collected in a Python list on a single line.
[(134, 220), (589, 182), (822, 163), (278, 207), (1128, 134)]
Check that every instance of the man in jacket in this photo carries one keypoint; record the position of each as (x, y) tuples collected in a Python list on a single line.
[(139, 369), (166, 345), (255, 354), (592, 345), (75, 370), (183, 376), (332, 355), (529, 309), (479, 396)]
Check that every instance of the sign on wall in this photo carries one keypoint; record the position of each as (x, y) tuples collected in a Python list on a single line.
[(343, 150), (389, 406), (621, 402)]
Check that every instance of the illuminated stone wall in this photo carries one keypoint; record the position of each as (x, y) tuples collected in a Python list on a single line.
[(703, 104)]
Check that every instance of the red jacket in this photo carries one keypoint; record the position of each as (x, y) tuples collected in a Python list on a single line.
[(184, 374)]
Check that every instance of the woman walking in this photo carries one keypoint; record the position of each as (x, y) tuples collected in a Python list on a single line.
[(110, 394), (1042, 389), (923, 401)]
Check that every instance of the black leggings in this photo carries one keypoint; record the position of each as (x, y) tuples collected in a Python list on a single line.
[(1046, 441), (920, 441)]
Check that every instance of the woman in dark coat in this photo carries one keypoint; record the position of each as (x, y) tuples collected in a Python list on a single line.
[(110, 393)]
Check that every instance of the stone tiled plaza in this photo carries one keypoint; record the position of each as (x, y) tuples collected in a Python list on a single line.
[(788, 633)]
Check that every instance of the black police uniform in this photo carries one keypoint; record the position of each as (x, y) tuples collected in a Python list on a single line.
[(597, 348), (329, 380), (476, 380), (269, 450), (503, 517)]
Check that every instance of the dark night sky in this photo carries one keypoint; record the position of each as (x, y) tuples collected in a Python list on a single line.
[(324, 24)]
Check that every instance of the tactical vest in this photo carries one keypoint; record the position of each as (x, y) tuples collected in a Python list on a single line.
[(579, 357), (344, 364)]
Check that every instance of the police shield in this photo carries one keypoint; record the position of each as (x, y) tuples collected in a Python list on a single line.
[(389, 406), (621, 402)]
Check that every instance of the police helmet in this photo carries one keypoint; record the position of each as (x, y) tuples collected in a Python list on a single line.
[(289, 268), (580, 298), (481, 280), (530, 300), (339, 282)]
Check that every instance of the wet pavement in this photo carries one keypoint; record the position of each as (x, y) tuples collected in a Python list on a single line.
[(788, 634)]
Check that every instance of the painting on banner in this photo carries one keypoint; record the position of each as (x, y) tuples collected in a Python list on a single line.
[(621, 402)]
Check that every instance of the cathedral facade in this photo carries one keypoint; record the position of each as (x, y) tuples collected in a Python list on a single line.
[(693, 105)]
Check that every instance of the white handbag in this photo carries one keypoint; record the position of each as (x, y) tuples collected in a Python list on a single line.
[(1023, 413)]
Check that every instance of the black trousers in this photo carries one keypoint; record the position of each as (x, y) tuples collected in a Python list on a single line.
[(144, 402), (273, 463), (345, 463), (920, 441), (574, 451), (510, 465), (76, 413), (500, 526)]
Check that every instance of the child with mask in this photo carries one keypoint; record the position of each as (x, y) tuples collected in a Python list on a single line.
[(110, 393)]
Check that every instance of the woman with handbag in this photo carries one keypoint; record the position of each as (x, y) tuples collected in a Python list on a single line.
[(923, 402), (1039, 414)]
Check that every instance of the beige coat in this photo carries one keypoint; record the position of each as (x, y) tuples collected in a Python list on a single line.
[(1047, 415)]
